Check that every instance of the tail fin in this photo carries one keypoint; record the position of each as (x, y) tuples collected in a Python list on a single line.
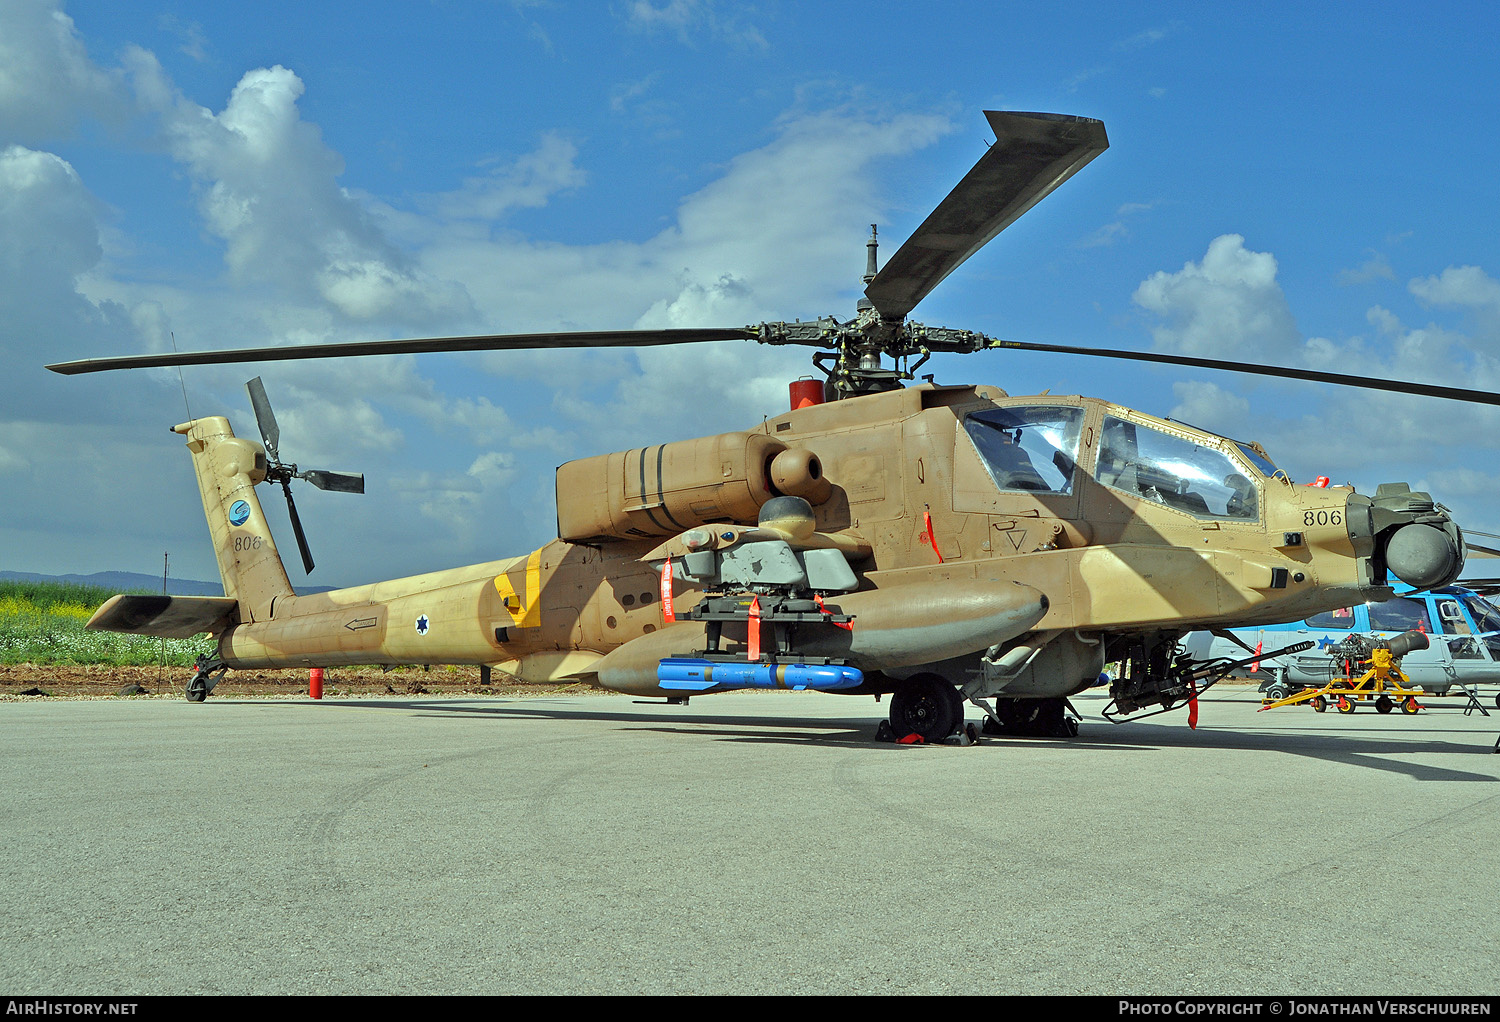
[(228, 468)]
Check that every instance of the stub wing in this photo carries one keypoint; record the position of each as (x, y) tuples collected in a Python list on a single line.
[(170, 617), (918, 618)]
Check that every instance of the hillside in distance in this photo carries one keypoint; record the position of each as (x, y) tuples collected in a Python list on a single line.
[(134, 581)]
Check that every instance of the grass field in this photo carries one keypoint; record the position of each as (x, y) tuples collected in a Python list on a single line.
[(42, 623)]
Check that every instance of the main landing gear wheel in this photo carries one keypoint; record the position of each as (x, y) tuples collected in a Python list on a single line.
[(1037, 718), (197, 689), (926, 705)]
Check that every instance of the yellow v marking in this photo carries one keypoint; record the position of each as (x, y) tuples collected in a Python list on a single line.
[(527, 612)]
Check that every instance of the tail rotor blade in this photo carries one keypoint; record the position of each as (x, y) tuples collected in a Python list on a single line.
[(341, 482), (265, 418), (291, 507), (344, 482)]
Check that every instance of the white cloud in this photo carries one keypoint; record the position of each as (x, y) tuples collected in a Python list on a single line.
[(1199, 403), (1076, 81), (1117, 229), (47, 81), (1467, 286), (1364, 437), (10, 461), (192, 40), (777, 234), (49, 239), (1149, 37), (528, 182), (495, 468), (622, 97), (51, 228), (688, 19), (1376, 267), (772, 238), (1229, 305), (1465, 482), (268, 188)]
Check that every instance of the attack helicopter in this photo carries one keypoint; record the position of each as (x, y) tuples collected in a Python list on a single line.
[(935, 543)]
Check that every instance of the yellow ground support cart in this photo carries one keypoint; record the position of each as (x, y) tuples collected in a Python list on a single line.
[(1382, 682)]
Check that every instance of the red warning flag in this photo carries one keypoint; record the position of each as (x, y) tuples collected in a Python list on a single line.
[(1193, 706), (667, 614), (848, 626), (931, 539), (752, 631), (1256, 665)]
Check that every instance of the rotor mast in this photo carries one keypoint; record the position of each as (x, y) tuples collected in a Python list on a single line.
[(1032, 155)]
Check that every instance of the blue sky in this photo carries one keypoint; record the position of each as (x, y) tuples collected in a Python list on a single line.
[(1284, 185)]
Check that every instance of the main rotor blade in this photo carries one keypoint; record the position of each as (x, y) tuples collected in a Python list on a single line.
[(482, 342), (1033, 154), (1483, 397), (1482, 586), (341, 482), (264, 417)]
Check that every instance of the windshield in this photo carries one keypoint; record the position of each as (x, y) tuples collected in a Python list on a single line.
[(1172, 470), (1399, 615), (1028, 447), (1254, 457), (1486, 616), (1342, 618)]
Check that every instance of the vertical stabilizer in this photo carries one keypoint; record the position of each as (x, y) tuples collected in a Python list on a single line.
[(228, 468)]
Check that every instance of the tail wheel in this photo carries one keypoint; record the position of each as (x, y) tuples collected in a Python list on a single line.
[(197, 688), (926, 705)]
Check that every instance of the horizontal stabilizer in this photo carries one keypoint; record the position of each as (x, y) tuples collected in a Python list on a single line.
[(171, 617)]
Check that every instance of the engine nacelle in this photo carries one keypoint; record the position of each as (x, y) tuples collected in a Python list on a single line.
[(667, 489)]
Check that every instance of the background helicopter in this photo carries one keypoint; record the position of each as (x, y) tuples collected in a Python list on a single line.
[(937, 543), (1463, 623), (1464, 648)]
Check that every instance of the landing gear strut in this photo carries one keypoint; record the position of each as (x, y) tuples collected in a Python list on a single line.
[(208, 669)]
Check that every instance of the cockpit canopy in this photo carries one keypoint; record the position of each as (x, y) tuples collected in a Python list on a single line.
[(1036, 448), (1169, 469), (1028, 447)]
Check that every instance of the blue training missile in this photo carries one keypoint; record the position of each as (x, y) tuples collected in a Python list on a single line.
[(687, 674)]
